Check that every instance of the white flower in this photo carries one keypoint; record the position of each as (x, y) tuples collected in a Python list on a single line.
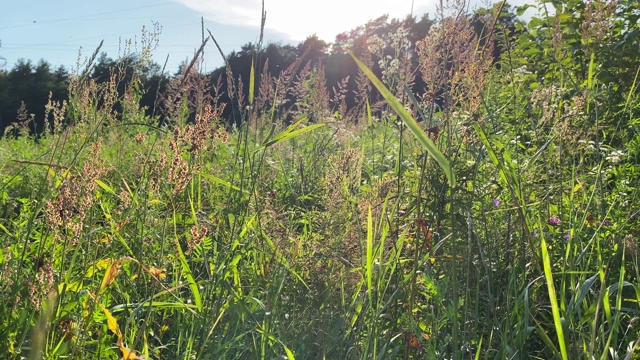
[(521, 70), (615, 156), (375, 44)]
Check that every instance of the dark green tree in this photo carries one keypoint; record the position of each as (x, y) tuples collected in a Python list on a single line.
[(30, 85)]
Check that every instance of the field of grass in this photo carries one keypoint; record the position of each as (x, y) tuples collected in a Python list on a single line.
[(504, 225)]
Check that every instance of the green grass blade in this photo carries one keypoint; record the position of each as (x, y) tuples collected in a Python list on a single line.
[(538, 153), (410, 122), (618, 287), (289, 133), (477, 356), (289, 353), (42, 327), (187, 271), (552, 298), (6, 231), (106, 187), (252, 82), (369, 116), (369, 264), (414, 101), (584, 290), (283, 261), (590, 77), (545, 338), (592, 69), (492, 154), (632, 89), (222, 182), (190, 279)]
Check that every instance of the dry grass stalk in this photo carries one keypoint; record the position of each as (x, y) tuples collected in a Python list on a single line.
[(452, 67), (67, 212)]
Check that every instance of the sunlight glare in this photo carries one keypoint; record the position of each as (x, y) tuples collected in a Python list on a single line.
[(299, 19)]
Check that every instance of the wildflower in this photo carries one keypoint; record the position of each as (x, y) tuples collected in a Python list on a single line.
[(375, 44), (554, 221), (566, 236), (607, 222), (521, 71), (535, 234), (496, 202), (197, 237), (615, 156)]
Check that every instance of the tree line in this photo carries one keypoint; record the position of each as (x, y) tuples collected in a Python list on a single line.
[(29, 86)]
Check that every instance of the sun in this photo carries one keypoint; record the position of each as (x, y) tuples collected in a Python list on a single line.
[(326, 19), (299, 19)]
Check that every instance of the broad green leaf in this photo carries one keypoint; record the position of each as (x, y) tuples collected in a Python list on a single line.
[(113, 269), (112, 323)]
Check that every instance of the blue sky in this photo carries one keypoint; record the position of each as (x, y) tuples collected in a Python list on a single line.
[(57, 30)]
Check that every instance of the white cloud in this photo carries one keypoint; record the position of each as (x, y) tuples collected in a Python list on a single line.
[(301, 18)]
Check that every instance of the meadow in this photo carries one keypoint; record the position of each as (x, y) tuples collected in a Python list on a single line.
[(492, 216)]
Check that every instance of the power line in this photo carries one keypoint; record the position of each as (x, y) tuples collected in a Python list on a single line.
[(104, 36), (75, 47), (85, 16)]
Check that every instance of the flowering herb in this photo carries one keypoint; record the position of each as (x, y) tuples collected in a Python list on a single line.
[(553, 221)]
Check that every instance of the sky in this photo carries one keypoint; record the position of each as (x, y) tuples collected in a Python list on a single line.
[(64, 31)]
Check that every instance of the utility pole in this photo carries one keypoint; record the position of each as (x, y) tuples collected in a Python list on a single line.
[(3, 61)]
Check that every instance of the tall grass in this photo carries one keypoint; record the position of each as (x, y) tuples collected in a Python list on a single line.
[(498, 228)]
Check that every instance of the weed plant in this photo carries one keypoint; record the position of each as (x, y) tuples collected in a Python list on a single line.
[(504, 225)]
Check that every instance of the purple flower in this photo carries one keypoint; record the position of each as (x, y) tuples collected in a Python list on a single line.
[(606, 222), (496, 202), (534, 234), (272, 194), (554, 221), (567, 236)]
